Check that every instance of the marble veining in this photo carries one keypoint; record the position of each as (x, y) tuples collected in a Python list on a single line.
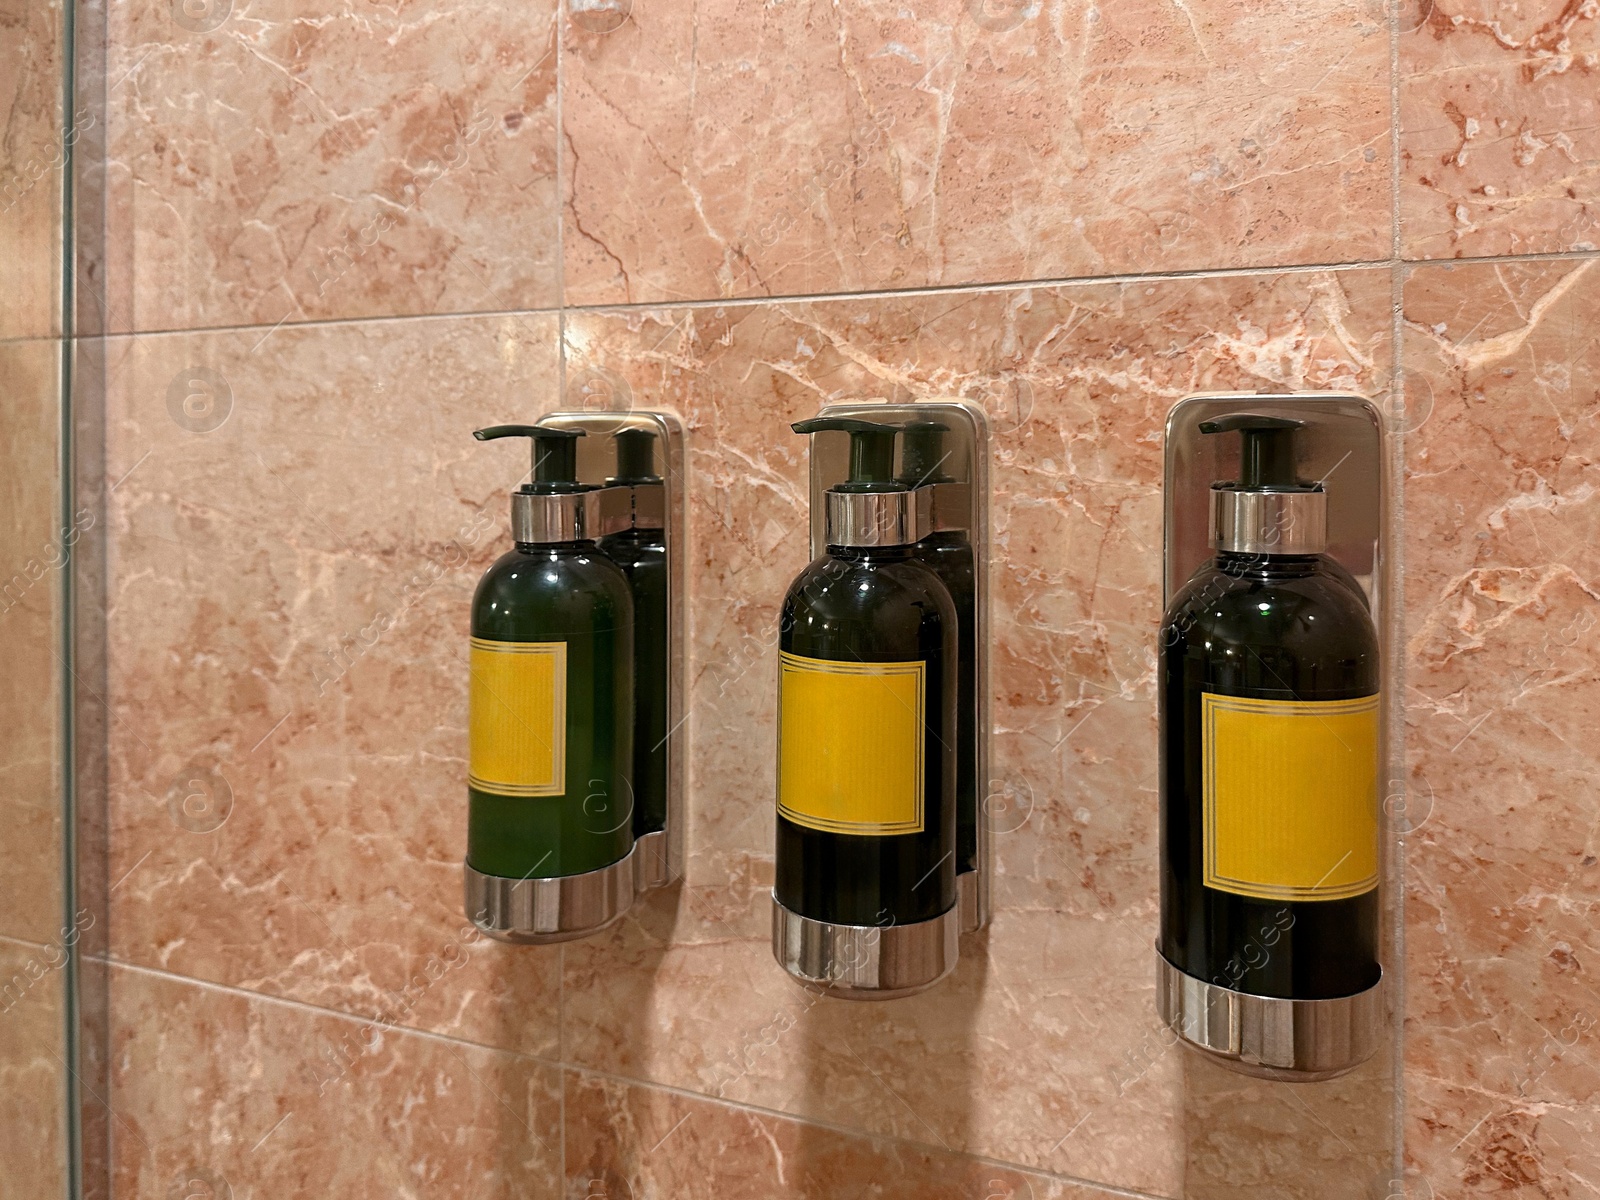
[(280, 161), (1500, 127), (1503, 1015), (729, 149), (33, 551), (222, 1094), (34, 144)]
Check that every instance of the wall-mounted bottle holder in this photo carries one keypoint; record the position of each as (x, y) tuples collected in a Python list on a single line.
[(872, 891), (627, 506), (1271, 745)]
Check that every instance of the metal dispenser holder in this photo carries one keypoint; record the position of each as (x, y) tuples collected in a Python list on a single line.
[(869, 962), (1343, 437), (541, 911)]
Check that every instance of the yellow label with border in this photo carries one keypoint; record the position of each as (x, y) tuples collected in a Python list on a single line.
[(517, 718), (851, 745), (1290, 797)]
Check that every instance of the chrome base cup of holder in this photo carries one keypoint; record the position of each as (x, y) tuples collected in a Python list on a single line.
[(537, 912), (1293, 1041), (866, 962)]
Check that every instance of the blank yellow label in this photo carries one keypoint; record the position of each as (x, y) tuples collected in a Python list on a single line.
[(1291, 797), (517, 718), (850, 745)]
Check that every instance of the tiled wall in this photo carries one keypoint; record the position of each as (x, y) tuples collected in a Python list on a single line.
[(340, 237)]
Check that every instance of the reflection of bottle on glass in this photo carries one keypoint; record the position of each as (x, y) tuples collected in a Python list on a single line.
[(551, 697), (924, 461), (641, 552), (867, 739), (1269, 744)]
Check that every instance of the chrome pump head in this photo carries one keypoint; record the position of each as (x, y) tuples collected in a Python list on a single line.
[(1267, 510), (870, 507)]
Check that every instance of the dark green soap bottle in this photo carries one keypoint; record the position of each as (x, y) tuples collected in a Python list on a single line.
[(641, 552), (1269, 685), (949, 553), (868, 677), (551, 700)]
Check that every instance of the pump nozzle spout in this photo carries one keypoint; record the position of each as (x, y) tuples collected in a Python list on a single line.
[(871, 452), (555, 455)]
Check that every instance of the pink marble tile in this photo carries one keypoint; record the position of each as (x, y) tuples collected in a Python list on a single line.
[(1056, 1004), (1042, 1050), (1503, 1011), (735, 149), (1251, 1139), (276, 160), (1500, 127), (217, 1093), (627, 1141), (32, 1073), (32, 553), (298, 522), (33, 147), (1502, 1067)]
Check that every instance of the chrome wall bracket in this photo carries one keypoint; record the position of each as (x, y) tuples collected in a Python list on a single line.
[(541, 911), (867, 962)]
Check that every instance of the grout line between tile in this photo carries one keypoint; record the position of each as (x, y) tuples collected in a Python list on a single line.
[(7, 940), (967, 289), (318, 1010), (559, 310), (1110, 1189), (1394, 132)]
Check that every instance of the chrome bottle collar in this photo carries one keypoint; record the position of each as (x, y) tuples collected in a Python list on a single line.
[(1268, 522), (575, 516), (537, 518), (871, 518)]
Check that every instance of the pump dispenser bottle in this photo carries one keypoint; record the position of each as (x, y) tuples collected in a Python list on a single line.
[(641, 552), (865, 890), (551, 721), (1270, 854)]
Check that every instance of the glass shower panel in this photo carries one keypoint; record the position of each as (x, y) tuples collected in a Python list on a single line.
[(37, 941)]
